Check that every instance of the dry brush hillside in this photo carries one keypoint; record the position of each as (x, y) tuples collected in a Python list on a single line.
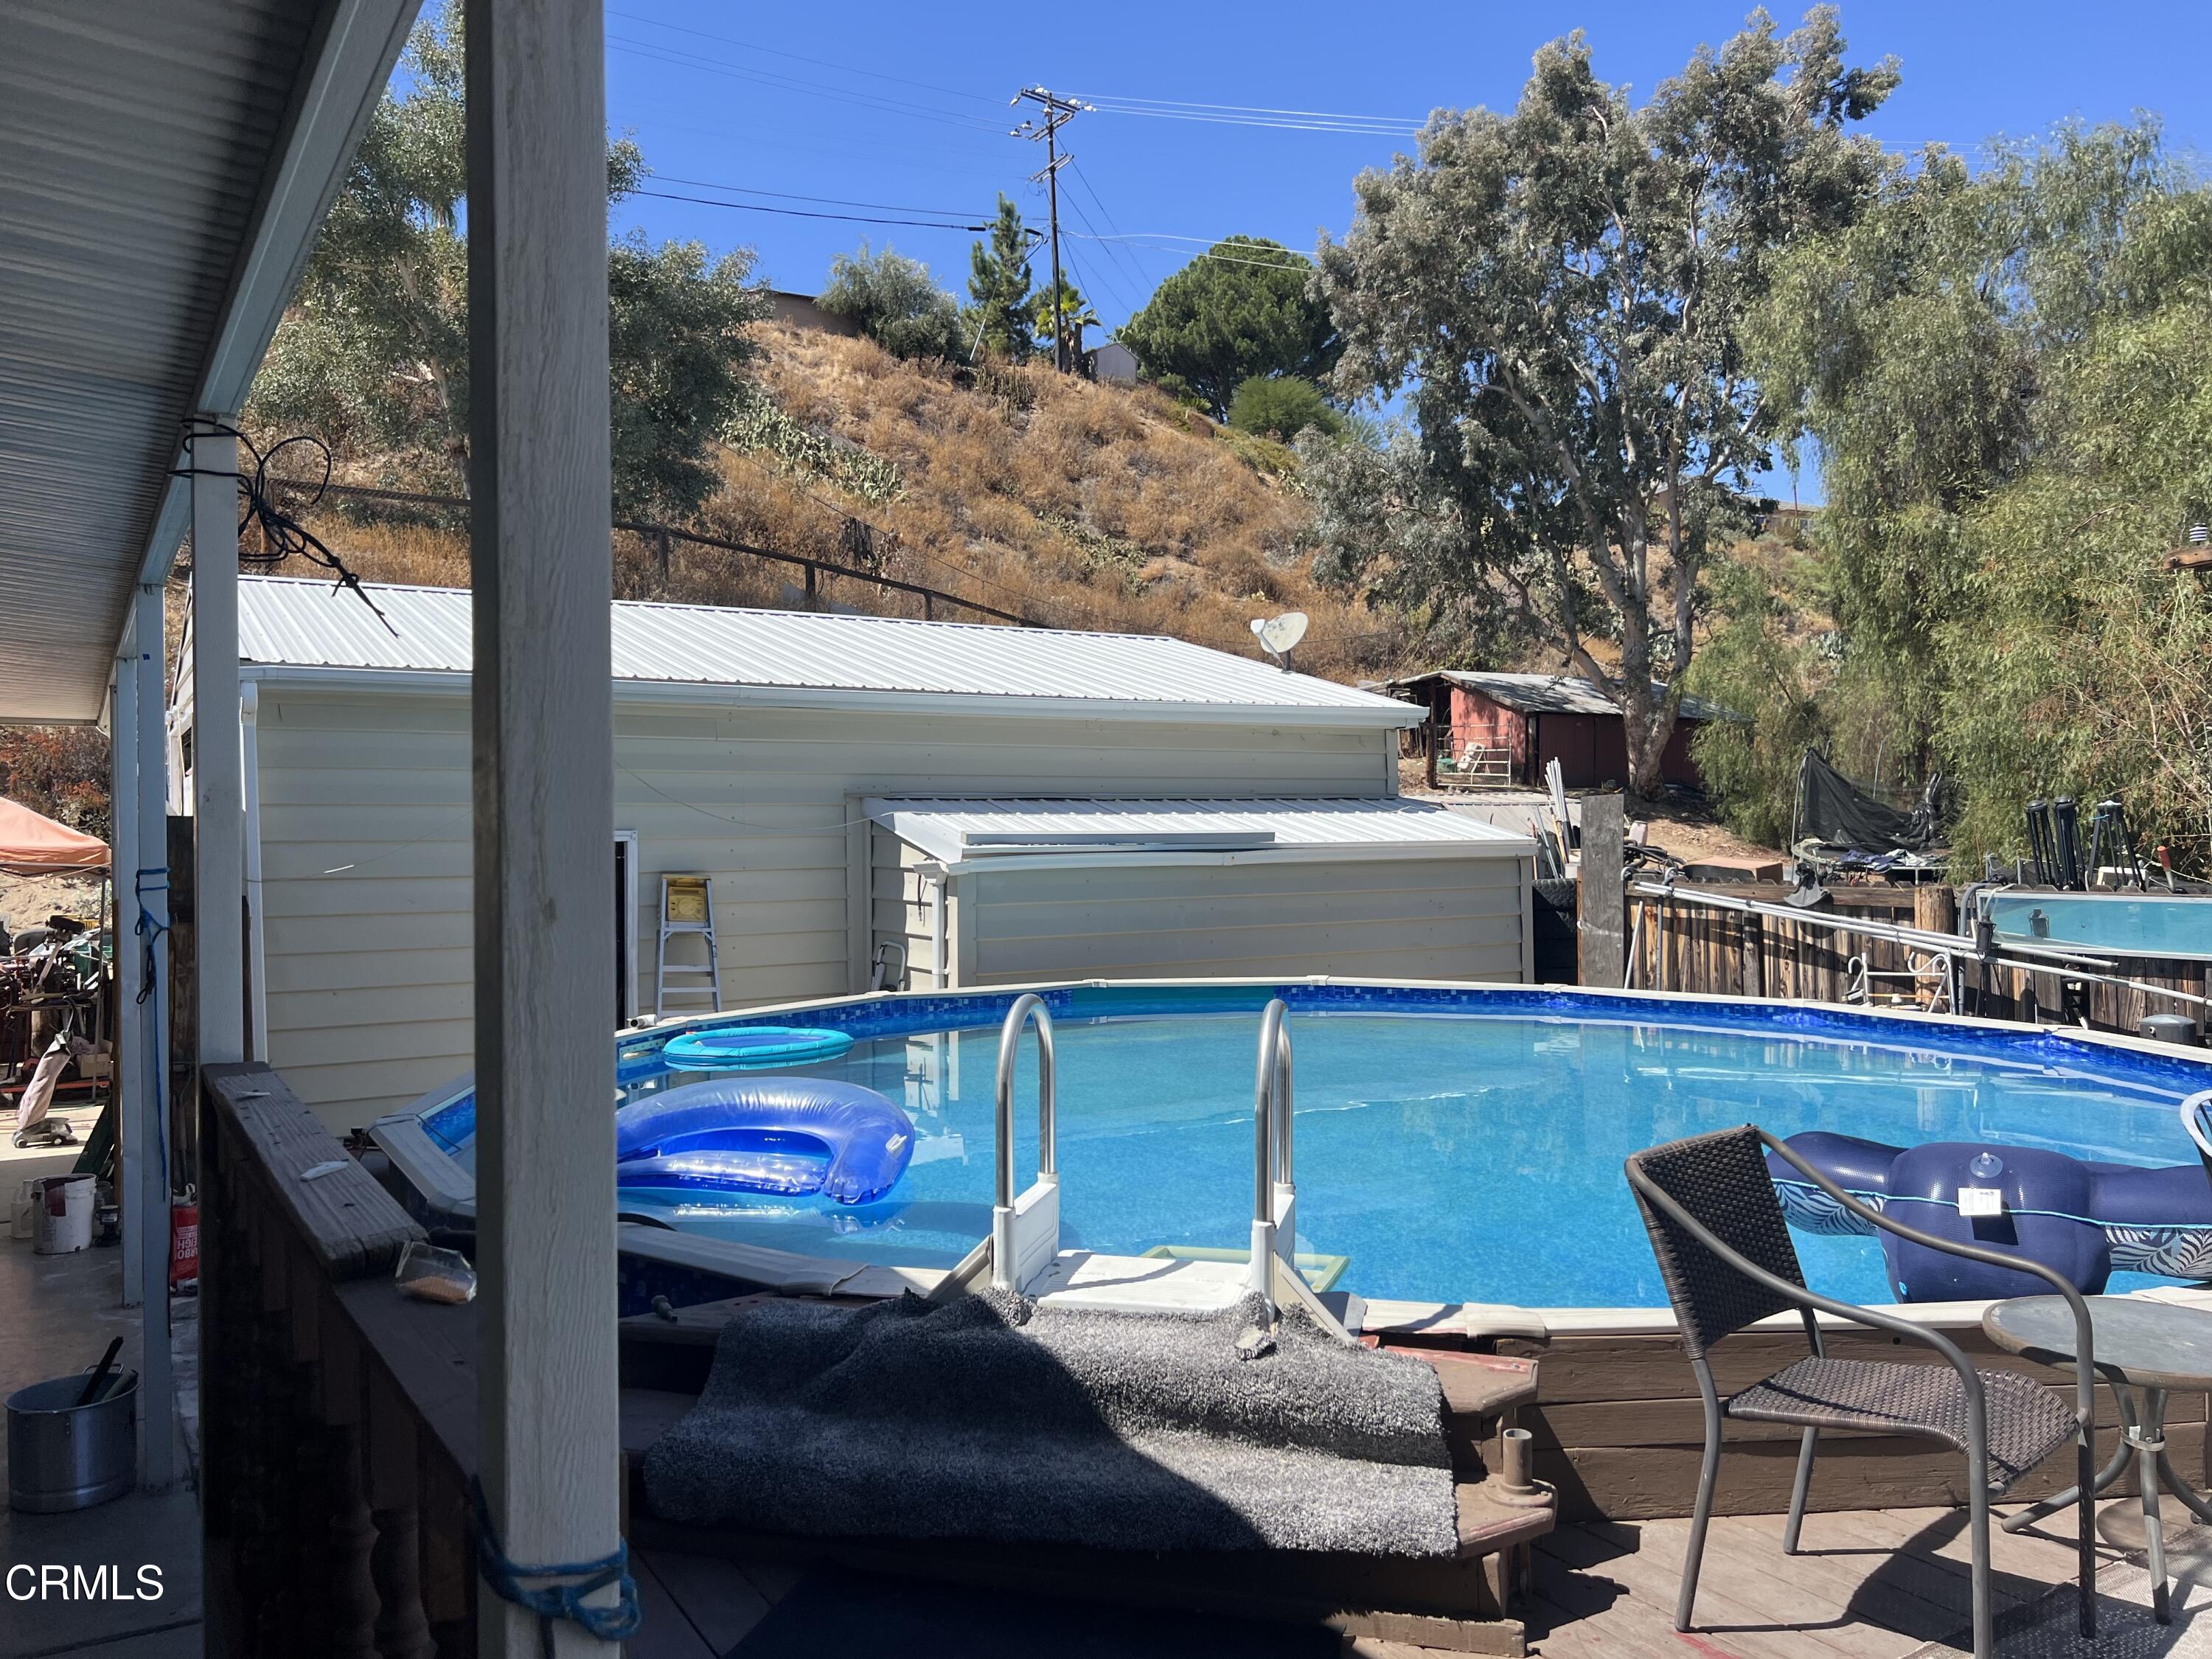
[(1072, 504)]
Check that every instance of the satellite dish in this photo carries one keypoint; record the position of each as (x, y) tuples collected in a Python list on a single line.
[(1277, 634)]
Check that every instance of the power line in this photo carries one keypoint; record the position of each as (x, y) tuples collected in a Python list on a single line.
[(974, 167), (1122, 255), (1295, 263), (1058, 112), (1082, 284), (801, 213), (654, 52), (800, 57), (1113, 281), (1351, 128), (1241, 109), (798, 196)]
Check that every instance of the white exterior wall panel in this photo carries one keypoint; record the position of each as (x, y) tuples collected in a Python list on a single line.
[(1391, 918), (365, 844)]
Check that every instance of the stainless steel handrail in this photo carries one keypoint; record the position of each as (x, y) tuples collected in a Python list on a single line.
[(1027, 1005), (1270, 1111)]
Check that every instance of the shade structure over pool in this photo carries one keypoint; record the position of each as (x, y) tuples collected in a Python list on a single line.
[(32, 844)]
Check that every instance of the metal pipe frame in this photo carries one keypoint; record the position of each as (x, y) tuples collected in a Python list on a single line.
[(2074, 964), (1027, 1006), (1270, 1111)]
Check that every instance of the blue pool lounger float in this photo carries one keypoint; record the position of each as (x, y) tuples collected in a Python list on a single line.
[(733, 1048), (2080, 1218), (790, 1136)]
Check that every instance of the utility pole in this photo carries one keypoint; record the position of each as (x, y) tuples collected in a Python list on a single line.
[(1057, 112)]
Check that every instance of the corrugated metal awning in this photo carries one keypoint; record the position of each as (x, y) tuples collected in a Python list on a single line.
[(1005, 833), (164, 166)]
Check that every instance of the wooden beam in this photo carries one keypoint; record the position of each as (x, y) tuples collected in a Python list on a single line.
[(1603, 905), (147, 1079), (544, 795), (123, 863), (218, 780), (351, 1226)]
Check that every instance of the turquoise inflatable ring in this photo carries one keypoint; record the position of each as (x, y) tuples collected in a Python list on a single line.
[(739, 1047)]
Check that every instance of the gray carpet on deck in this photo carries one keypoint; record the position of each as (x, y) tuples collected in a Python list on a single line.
[(995, 1418)]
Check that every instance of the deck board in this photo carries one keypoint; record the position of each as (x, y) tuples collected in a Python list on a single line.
[(718, 1598), (1869, 1584), (665, 1632)]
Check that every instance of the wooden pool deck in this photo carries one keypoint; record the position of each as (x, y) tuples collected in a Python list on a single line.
[(1870, 1584)]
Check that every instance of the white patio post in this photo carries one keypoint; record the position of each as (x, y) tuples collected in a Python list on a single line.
[(123, 860), (544, 794), (218, 772), (146, 1077)]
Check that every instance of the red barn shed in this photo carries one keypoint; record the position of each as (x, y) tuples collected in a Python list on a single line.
[(1507, 728)]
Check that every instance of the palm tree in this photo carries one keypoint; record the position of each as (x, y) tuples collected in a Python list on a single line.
[(1075, 315)]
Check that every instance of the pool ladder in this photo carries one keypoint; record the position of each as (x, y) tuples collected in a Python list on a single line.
[(1024, 1241), (1275, 1276)]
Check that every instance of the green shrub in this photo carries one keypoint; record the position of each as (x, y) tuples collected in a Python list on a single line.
[(1280, 406), (896, 301)]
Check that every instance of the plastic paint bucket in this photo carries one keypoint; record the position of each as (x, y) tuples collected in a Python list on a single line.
[(19, 1208), (62, 1455), (61, 1214)]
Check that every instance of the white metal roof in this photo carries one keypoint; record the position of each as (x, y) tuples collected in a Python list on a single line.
[(969, 834), (808, 656), (167, 164), (1549, 694)]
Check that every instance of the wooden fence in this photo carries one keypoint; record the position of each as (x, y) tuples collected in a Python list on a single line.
[(1679, 944)]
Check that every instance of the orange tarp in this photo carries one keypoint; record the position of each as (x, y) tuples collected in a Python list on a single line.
[(33, 845)]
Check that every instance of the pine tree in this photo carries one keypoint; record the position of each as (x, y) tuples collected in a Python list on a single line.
[(998, 282)]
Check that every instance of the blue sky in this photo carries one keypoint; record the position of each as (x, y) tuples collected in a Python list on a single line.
[(901, 112)]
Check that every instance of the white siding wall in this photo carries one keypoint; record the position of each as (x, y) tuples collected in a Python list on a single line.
[(366, 855), (1458, 918), (904, 907)]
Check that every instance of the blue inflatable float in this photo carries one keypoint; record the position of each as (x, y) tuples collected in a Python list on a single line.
[(791, 1136), (2080, 1218), (736, 1048)]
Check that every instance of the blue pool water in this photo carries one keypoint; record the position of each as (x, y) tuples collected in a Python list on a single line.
[(1460, 1155), (2150, 926)]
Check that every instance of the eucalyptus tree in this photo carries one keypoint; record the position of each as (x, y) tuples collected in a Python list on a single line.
[(1559, 293)]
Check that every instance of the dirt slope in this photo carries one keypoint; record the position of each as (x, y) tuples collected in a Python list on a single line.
[(1073, 504)]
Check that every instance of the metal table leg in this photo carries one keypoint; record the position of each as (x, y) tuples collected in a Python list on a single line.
[(2147, 1438)]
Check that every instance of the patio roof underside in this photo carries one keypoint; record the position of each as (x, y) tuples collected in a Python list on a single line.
[(163, 165)]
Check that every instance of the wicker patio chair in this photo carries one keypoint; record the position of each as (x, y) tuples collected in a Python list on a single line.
[(1725, 1254), (2196, 1123)]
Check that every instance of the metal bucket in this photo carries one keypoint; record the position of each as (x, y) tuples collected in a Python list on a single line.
[(62, 1455)]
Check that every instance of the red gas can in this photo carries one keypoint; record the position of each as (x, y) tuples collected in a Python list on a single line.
[(184, 1246)]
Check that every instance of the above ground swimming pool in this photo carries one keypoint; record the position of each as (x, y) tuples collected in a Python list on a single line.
[(1453, 1144), (2125, 924)]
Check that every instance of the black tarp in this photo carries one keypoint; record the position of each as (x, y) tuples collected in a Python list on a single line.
[(1832, 809)]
